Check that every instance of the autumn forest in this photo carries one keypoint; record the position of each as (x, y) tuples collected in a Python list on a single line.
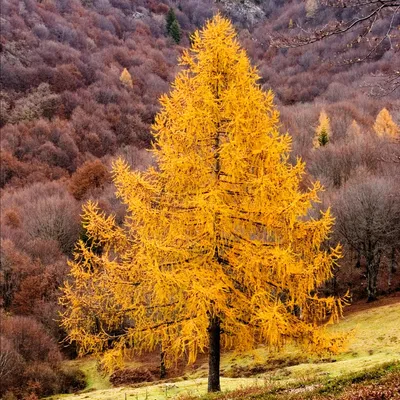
[(191, 177)]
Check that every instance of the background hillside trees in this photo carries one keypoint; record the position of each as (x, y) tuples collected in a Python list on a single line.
[(368, 223), (90, 176), (172, 25), (358, 22), (175, 31), (30, 360)]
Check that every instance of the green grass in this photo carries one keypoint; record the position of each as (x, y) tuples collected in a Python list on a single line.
[(374, 342), (95, 380), (381, 382)]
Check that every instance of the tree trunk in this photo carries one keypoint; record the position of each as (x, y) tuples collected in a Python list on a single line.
[(214, 335), (373, 261), (163, 370), (372, 276), (392, 267)]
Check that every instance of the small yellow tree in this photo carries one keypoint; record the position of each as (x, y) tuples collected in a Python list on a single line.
[(126, 78), (385, 126), (354, 129), (217, 250), (323, 131)]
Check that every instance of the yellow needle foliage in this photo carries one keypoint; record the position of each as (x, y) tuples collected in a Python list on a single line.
[(385, 126), (354, 129), (220, 229), (126, 78), (323, 131)]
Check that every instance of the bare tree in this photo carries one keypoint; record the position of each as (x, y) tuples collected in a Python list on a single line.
[(373, 21), (368, 222), (367, 13), (394, 152), (10, 362)]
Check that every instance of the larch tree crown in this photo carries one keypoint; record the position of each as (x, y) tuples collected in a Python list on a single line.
[(126, 78), (323, 131), (384, 125), (218, 249)]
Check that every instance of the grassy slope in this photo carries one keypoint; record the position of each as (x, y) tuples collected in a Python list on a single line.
[(375, 340), (94, 379)]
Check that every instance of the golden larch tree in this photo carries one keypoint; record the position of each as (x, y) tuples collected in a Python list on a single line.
[(126, 78), (385, 126), (323, 131), (218, 249)]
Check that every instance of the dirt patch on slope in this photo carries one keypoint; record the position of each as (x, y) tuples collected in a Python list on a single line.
[(362, 305)]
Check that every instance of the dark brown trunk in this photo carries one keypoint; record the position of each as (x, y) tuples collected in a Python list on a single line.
[(214, 327), (392, 267), (163, 370), (372, 277), (214, 356), (373, 259)]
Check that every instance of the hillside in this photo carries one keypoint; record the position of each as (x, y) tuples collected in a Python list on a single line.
[(63, 102), (373, 342), (67, 113)]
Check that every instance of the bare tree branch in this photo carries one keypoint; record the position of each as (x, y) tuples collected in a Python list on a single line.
[(369, 12), (338, 28)]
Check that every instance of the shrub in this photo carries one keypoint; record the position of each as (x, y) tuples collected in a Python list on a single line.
[(90, 176), (53, 218), (30, 361)]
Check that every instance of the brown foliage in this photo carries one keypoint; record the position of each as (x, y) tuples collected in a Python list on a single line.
[(376, 391), (11, 169), (90, 176), (30, 360), (130, 376), (13, 263), (30, 339), (12, 218), (10, 362)]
